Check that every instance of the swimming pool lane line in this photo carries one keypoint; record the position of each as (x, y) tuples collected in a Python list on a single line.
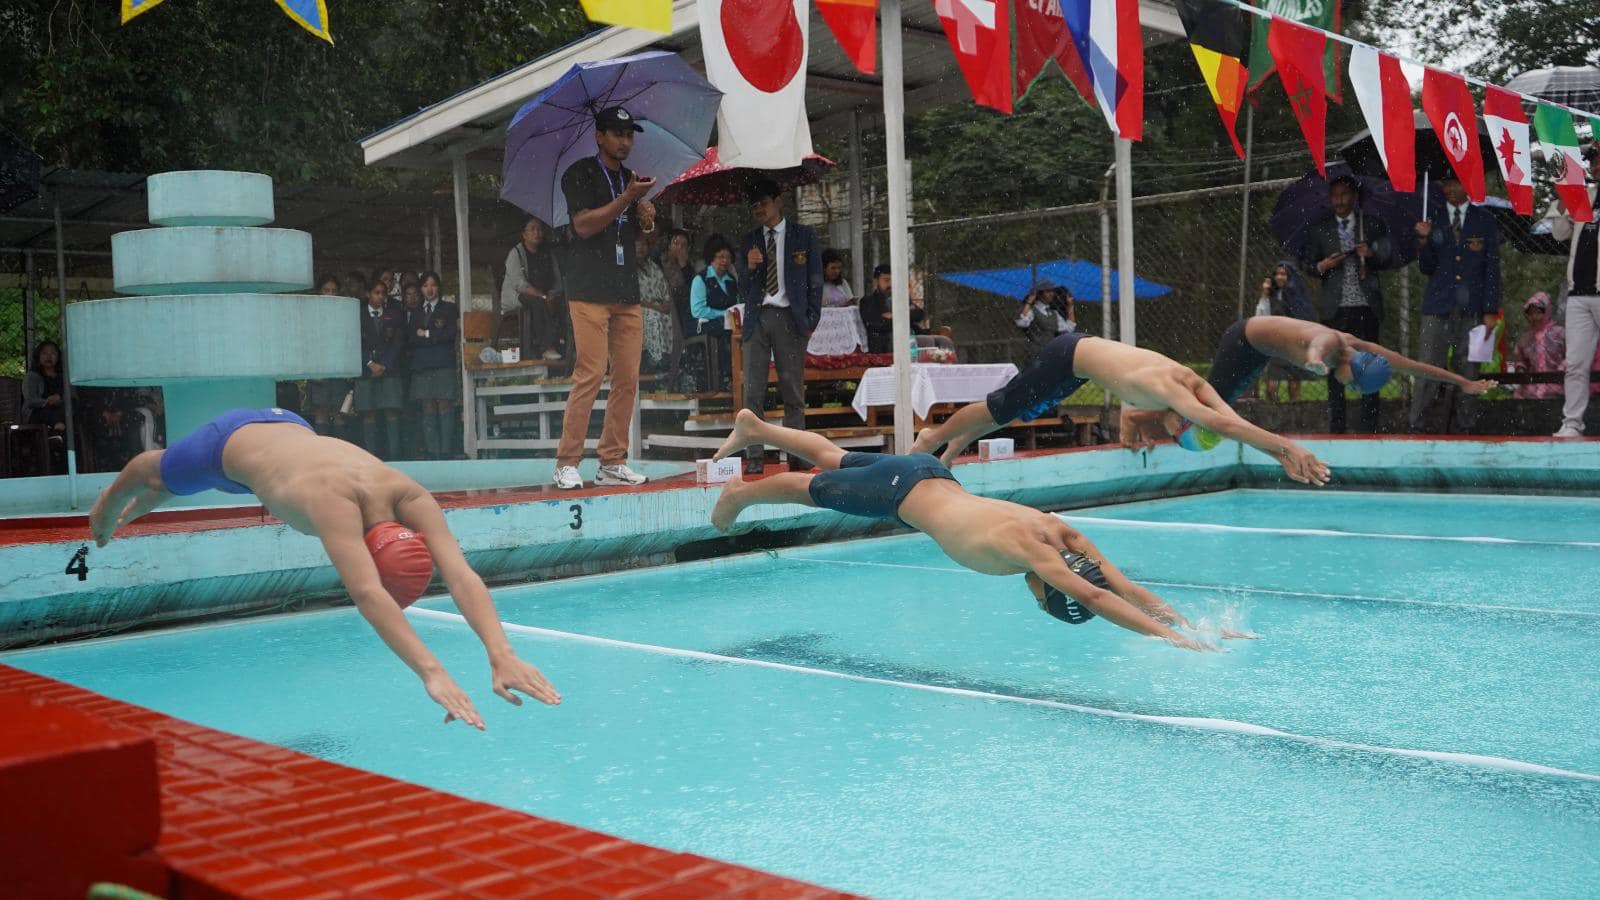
[(1472, 607), (1197, 723), (1319, 532)]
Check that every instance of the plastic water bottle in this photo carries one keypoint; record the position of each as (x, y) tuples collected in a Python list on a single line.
[(913, 352)]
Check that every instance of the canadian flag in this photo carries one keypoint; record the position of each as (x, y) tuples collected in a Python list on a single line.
[(1385, 100), (755, 52), (1508, 134), (1297, 54), (1448, 105), (979, 31)]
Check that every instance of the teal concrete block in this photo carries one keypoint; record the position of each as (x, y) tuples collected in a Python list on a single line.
[(209, 197), (205, 259), (197, 337), (191, 404)]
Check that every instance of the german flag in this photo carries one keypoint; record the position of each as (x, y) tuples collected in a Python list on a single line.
[(1219, 35)]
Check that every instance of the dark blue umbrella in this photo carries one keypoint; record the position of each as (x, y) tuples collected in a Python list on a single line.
[(1305, 203), (1079, 276), (676, 106)]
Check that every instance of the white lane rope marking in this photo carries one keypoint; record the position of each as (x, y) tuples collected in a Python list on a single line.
[(1198, 723), (1319, 532)]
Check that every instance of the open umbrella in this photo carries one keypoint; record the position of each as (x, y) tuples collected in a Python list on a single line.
[(555, 129), (1361, 152), (1576, 86), (1081, 277), (1304, 203), (710, 183)]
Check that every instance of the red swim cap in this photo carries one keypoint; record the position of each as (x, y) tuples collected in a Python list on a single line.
[(404, 564)]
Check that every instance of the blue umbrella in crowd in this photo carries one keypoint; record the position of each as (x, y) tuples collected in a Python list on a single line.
[(676, 106), (1305, 203), (1081, 277)]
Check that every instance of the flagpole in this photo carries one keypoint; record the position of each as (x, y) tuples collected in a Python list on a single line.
[(1244, 213), (1125, 300), (894, 104)]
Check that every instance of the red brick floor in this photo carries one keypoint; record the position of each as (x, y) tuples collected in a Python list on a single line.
[(240, 818)]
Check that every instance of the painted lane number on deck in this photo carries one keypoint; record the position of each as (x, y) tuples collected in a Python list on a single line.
[(79, 564), (577, 517)]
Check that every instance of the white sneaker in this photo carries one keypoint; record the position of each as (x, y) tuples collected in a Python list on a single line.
[(618, 474), (568, 479), (1567, 431), (552, 356)]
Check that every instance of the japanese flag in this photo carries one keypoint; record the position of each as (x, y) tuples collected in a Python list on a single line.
[(755, 52)]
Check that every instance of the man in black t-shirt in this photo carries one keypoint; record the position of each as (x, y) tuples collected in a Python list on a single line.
[(1583, 301), (605, 201)]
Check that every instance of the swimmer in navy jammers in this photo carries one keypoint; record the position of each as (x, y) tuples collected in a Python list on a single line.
[(1141, 379), (382, 530), (1066, 574)]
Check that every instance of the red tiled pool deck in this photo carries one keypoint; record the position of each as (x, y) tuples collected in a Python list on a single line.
[(241, 818)]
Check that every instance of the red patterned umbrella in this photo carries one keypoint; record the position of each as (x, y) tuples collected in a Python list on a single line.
[(710, 183)]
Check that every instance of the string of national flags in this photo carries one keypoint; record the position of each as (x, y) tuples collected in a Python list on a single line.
[(1098, 46), (312, 15)]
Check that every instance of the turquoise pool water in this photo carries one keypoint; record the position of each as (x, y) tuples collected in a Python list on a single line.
[(868, 716)]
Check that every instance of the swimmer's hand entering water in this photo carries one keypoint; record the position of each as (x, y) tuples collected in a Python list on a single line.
[(508, 673), (445, 692)]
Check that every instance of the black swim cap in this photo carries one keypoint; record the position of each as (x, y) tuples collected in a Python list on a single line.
[(1065, 608)]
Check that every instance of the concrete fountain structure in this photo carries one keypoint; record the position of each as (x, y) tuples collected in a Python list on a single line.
[(214, 317)]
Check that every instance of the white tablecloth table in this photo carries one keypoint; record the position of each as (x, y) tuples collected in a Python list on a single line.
[(932, 383), (840, 332)]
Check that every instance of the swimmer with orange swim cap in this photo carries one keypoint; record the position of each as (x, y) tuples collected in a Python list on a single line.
[(382, 530)]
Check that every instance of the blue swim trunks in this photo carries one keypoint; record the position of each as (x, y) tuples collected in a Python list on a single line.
[(194, 464), (873, 485), (1037, 390)]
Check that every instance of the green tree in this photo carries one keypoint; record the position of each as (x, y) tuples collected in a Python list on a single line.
[(1496, 39)]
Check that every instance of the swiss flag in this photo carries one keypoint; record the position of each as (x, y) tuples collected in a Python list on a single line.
[(1297, 54), (1508, 133), (979, 31), (1448, 105), (1043, 35)]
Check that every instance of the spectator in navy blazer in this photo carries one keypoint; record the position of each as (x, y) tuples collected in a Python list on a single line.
[(381, 387), (1459, 250), (780, 285), (432, 333)]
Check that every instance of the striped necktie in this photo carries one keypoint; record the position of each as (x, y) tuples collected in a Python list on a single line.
[(772, 262)]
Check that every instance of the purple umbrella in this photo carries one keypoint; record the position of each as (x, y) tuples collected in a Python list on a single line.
[(1305, 203), (676, 106)]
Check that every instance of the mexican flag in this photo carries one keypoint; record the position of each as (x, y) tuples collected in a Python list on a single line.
[(1560, 143)]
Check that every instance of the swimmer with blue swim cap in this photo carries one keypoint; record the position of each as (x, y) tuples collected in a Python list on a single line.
[(1248, 346), (1067, 575), (383, 532)]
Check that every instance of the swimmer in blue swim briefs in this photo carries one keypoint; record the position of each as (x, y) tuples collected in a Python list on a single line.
[(1067, 575), (1142, 379), (383, 532)]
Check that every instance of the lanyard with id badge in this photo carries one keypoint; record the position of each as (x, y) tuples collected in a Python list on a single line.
[(623, 217)]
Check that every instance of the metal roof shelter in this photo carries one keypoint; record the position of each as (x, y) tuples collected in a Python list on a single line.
[(917, 70)]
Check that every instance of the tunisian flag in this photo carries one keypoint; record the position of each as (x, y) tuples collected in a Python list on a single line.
[(1448, 105), (979, 31), (755, 52), (1508, 133), (1385, 100), (854, 24), (1297, 54), (1043, 34)]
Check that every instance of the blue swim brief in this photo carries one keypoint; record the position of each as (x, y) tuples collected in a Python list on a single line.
[(873, 485), (194, 464), (1040, 387)]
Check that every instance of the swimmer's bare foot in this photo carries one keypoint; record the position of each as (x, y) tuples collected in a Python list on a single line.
[(729, 504), (746, 426), (924, 442), (948, 457)]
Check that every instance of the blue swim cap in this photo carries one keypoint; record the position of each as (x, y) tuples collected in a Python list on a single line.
[(1193, 437), (1065, 608), (1369, 372)]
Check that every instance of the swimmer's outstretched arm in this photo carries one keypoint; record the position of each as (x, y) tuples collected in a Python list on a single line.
[(1121, 584), (1203, 406), (1423, 370), (1048, 565), (420, 512)]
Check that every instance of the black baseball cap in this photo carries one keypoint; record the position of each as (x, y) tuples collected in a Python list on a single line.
[(615, 118)]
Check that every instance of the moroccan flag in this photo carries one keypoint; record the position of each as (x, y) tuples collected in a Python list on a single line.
[(1385, 100), (854, 24), (1508, 132), (979, 31), (1217, 36), (1297, 53), (1043, 34), (650, 15), (1448, 105), (1560, 143), (1324, 14), (1116, 65)]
